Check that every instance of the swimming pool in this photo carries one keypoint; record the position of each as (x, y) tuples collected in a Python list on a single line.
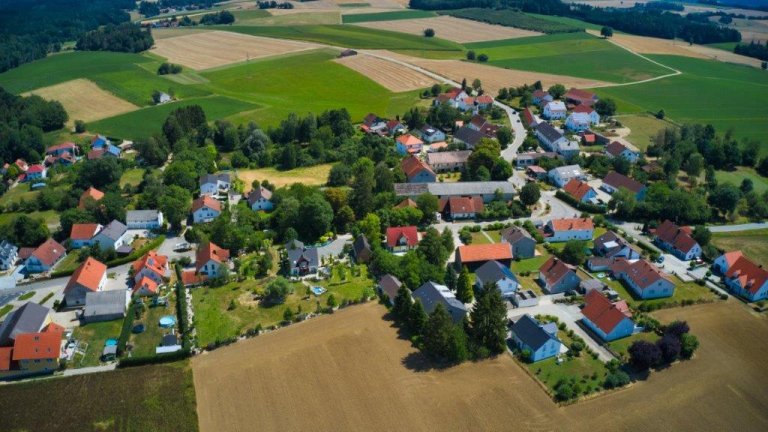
[(316, 290), (168, 321), (110, 342)]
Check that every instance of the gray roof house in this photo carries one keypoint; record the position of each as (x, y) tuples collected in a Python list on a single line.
[(468, 136), (308, 259), (30, 318), (431, 294), (105, 305), (9, 253), (361, 249), (541, 340), (112, 236), (389, 285), (520, 240), (485, 189), (212, 184), (143, 219), (497, 273)]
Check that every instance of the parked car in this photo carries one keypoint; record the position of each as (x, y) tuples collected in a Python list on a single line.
[(182, 247)]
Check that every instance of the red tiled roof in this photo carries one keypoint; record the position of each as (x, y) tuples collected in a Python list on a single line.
[(37, 346), (6, 353), (209, 252), (190, 277), (580, 95), (453, 92), (750, 275), (676, 236), (91, 192), (642, 272), (581, 108), (572, 224), (604, 314), (473, 204), (615, 148), (577, 188), (484, 99), (36, 168), (589, 138), (394, 234), (554, 269), (413, 165), (153, 261), (62, 146), (409, 140), (83, 231), (484, 252), (88, 275), (393, 124), (96, 153), (621, 181), (53, 328), (146, 284), (49, 252), (206, 201)]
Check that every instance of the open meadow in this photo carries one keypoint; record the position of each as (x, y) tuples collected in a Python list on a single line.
[(354, 359), (393, 76), (451, 28), (158, 398), (311, 176)]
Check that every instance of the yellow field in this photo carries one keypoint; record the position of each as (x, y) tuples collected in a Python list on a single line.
[(451, 28), (313, 176), (216, 48), (84, 100), (393, 76)]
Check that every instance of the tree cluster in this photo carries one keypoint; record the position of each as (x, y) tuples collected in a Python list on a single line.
[(22, 123), (675, 343), (169, 68), (274, 5), (125, 37), (753, 49), (223, 17)]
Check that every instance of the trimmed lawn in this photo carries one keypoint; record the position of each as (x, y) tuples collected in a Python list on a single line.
[(531, 264), (683, 291), (26, 296), (759, 182), (621, 346), (495, 235), (753, 243), (144, 344), (50, 217), (480, 238), (132, 177), (643, 128), (95, 334), (5, 309), (70, 262), (21, 192)]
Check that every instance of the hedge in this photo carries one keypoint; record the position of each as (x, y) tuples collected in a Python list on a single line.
[(155, 359), (528, 225), (120, 261), (587, 207), (125, 333), (182, 315)]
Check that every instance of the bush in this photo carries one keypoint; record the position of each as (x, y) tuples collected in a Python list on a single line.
[(482, 58), (156, 359), (79, 126), (689, 344), (587, 207), (616, 379), (429, 33)]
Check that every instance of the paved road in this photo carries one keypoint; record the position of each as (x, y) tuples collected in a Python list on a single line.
[(742, 227)]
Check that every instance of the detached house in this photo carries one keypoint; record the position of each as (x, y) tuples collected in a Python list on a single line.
[(610, 245), (523, 160), (500, 275), (455, 208), (417, 171), (554, 110), (480, 124), (32, 353), (578, 122), (89, 277), (215, 184), (580, 190), (113, 236), (90, 194), (36, 172), (677, 241), (372, 123), (144, 219), (743, 277), (522, 244), (29, 318), (560, 230), (205, 209), (408, 144), (617, 149), (615, 181), (210, 258), (475, 255), (643, 278), (361, 249), (260, 198), (468, 136), (430, 134), (402, 239), (389, 286), (609, 320), (549, 137), (152, 266), (82, 235), (45, 257), (556, 276), (539, 340), (539, 96), (577, 97), (9, 253), (560, 176), (431, 294)]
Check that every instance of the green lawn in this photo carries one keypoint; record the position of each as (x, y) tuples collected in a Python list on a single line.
[(753, 243), (70, 262), (531, 264), (144, 344), (386, 16), (495, 235), (5, 309), (725, 46), (215, 321), (480, 238), (95, 334), (621, 346), (568, 21), (759, 182), (574, 54), (26, 296), (683, 291), (132, 177), (249, 17), (724, 95), (514, 18), (50, 217), (644, 128), (17, 194)]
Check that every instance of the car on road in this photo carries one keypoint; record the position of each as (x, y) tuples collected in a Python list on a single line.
[(182, 247), (660, 259)]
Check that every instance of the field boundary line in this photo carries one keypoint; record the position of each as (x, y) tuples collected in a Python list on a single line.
[(675, 72)]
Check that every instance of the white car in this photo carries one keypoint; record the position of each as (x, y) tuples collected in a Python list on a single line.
[(182, 247)]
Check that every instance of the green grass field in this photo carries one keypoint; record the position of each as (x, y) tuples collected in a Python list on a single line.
[(250, 17), (621, 346), (644, 128), (50, 217), (725, 95), (386, 16), (514, 18), (567, 21), (95, 334), (754, 244), (725, 46), (158, 398), (575, 54), (759, 182), (350, 37), (132, 177)]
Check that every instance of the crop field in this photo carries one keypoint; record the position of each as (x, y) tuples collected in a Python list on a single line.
[(386, 16), (393, 76), (354, 359), (575, 54), (297, 18), (451, 28), (147, 121), (513, 18), (494, 78), (217, 48), (84, 100), (754, 243), (350, 37), (724, 95), (151, 398)]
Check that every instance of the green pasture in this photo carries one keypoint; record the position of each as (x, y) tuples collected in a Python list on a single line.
[(386, 16)]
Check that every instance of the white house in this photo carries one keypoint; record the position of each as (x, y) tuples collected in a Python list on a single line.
[(213, 184), (82, 234), (260, 199), (430, 134), (549, 137), (560, 176), (578, 122), (617, 149), (91, 276), (742, 276), (210, 258), (496, 273), (567, 148), (36, 172), (45, 257), (112, 236), (554, 110), (9, 253), (560, 230), (205, 209), (144, 219)]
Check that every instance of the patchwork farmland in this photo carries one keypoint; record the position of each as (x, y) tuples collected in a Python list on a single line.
[(451, 28), (393, 76), (84, 100)]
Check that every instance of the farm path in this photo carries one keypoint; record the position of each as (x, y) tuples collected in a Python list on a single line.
[(675, 72)]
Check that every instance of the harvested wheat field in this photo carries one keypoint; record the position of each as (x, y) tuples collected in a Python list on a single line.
[(451, 28), (217, 48), (350, 372), (393, 76), (493, 78), (84, 100)]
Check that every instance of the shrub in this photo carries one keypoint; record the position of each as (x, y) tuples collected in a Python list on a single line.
[(429, 33), (616, 379), (688, 345)]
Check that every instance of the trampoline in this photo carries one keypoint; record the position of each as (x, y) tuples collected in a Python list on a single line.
[(167, 321)]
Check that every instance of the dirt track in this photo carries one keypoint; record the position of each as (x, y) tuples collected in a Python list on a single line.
[(84, 100), (451, 28), (349, 372), (393, 76)]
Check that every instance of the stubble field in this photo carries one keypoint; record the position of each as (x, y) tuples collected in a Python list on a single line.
[(349, 371), (451, 28), (392, 76)]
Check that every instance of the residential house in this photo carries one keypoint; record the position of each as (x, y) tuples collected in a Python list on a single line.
[(107, 151), (205, 209), (539, 96), (151, 266), (617, 149), (556, 276), (589, 111), (580, 190), (372, 123), (611, 245), (90, 194), (45, 257), (455, 208), (215, 184), (361, 249), (437, 147), (489, 190), (474, 103), (36, 172), (523, 160), (82, 235), (402, 239), (389, 286), (145, 287), (560, 176), (303, 260), (536, 172), (482, 125), (99, 141), (577, 97), (554, 110), (742, 276), (475, 255), (643, 278), (549, 137), (417, 171), (430, 134), (29, 318), (609, 320), (677, 241), (448, 160), (105, 305), (539, 340), (144, 219), (89, 277), (430, 294), (113, 236), (530, 119), (561, 230), (22, 165), (578, 122), (66, 159), (210, 259), (568, 149), (615, 181), (500, 275), (452, 97), (394, 127), (61, 149), (468, 136), (9, 254), (522, 244), (260, 198), (32, 353), (408, 144)]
